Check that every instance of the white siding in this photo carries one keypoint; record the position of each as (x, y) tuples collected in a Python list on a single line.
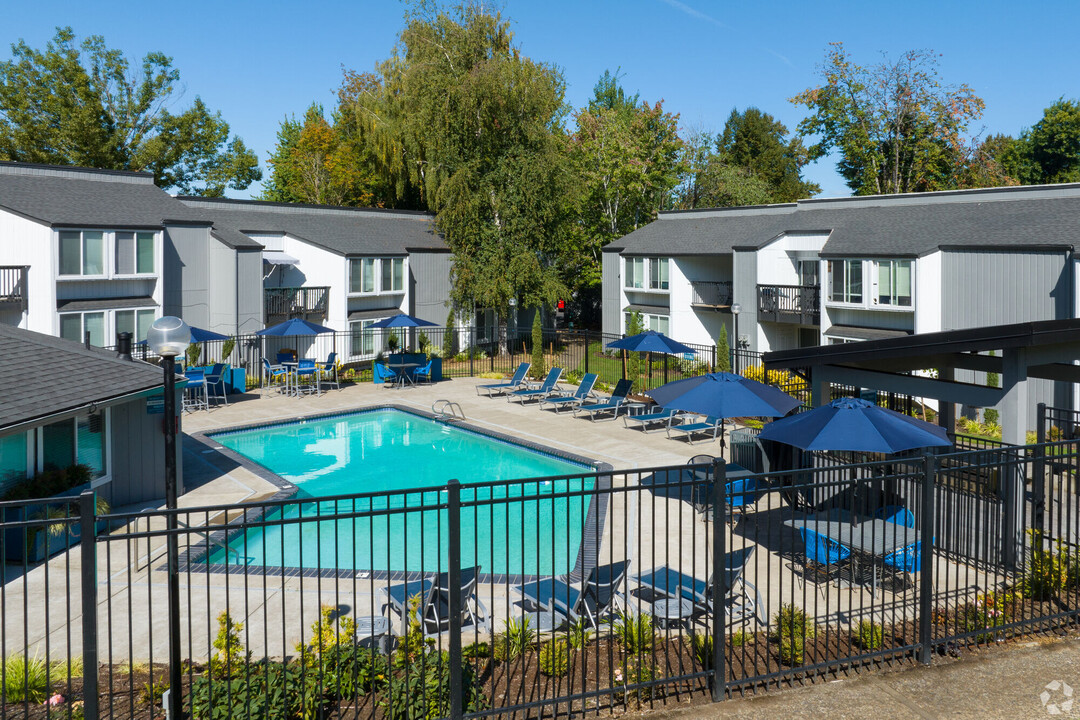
[(928, 313), (25, 242)]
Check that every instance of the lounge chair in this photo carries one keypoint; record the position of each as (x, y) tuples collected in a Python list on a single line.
[(660, 418), (743, 600), (583, 392), (435, 600), (611, 405), (516, 382), (594, 599), (550, 386), (328, 371), (215, 383), (689, 429)]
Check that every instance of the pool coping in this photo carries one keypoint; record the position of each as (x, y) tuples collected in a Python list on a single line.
[(191, 557)]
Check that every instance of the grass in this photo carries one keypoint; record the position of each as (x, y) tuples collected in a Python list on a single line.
[(26, 679)]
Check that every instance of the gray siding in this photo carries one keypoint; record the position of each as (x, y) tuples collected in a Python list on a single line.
[(222, 288), (429, 278), (138, 456), (993, 287), (187, 279), (744, 284), (611, 296), (249, 296)]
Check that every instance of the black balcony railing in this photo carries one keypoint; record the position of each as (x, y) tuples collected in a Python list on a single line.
[(710, 294), (790, 303), (13, 285), (300, 302)]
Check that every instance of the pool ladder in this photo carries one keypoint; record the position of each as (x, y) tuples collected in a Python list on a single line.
[(447, 410)]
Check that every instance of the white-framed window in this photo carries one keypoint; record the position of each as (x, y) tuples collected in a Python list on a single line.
[(374, 275), (75, 326), (82, 253), (362, 338), (658, 273), (808, 273), (658, 323), (635, 273), (83, 439), (846, 281), (136, 322), (393, 274), (135, 253), (893, 283)]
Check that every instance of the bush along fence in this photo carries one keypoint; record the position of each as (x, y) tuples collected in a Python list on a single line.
[(595, 592)]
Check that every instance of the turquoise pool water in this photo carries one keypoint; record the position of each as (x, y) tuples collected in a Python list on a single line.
[(524, 531)]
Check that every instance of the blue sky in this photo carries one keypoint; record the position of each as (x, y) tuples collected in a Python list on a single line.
[(260, 61)]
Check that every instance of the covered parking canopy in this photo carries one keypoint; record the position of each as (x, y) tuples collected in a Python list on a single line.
[(1045, 349)]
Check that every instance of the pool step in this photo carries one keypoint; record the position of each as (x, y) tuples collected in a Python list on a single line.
[(447, 410)]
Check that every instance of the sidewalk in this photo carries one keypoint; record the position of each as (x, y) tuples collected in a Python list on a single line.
[(1003, 682)]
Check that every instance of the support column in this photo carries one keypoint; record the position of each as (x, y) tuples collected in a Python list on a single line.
[(1014, 431), (821, 379), (947, 409)]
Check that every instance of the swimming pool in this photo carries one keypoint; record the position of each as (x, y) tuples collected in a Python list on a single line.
[(523, 530)]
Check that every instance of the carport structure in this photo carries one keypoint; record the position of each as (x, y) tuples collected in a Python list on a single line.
[(1045, 349)]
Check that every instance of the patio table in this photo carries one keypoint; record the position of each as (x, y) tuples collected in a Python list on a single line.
[(871, 539), (402, 369)]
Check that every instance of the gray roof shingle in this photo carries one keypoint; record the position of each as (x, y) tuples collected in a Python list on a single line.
[(907, 225), (82, 376), (347, 231)]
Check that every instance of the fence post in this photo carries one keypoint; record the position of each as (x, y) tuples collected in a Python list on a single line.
[(1038, 484), (457, 691), (719, 578), (472, 344), (586, 351), (926, 560), (88, 558)]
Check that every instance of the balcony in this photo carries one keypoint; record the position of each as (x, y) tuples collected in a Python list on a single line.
[(295, 302), (710, 295), (790, 303), (13, 290)]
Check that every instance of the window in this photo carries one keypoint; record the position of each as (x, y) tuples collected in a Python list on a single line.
[(635, 273), (362, 340), (79, 440), (13, 465), (846, 278), (393, 275), (82, 253), (134, 253), (74, 326), (659, 323), (658, 274), (136, 322), (894, 283), (808, 273)]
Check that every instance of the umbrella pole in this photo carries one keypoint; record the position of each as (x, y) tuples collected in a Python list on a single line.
[(624, 364)]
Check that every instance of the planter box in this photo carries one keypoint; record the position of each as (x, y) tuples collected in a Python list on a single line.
[(235, 378), (28, 544)]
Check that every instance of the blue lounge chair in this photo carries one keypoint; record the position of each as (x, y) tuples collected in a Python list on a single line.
[(611, 405), (583, 392), (595, 598), (659, 418), (823, 558), (435, 600), (743, 599), (516, 382), (689, 429), (328, 371), (550, 386)]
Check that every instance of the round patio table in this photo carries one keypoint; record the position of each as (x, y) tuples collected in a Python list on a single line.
[(544, 621), (671, 611), (374, 631), (402, 370)]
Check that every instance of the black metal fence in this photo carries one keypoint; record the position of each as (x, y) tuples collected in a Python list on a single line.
[(570, 594)]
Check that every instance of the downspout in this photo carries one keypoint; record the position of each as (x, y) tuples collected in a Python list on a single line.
[(236, 288)]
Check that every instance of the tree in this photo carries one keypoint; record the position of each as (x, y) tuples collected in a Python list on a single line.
[(723, 351), (1053, 145), (537, 370), (757, 143), (897, 128), (634, 326), (80, 104), (449, 336)]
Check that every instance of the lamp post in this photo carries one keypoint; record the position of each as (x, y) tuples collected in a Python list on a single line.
[(736, 308), (168, 337)]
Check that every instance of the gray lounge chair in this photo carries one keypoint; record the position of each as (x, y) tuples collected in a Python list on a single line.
[(594, 599), (435, 601), (689, 429), (583, 392), (660, 419), (550, 386), (743, 600), (517, 381), (611, 405)]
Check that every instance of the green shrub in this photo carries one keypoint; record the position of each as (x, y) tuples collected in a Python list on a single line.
[(230, 655), (869, 635), (988, 613), (25, 679), (258, 690), (554, 658), (1050, 571), (393, 342), (476, 650), (578, 634), (701, 645), (421, 689), (537, 370), (631, 673), (514, 641), (448, 345), (347, 669), (723, 351), (422, 342), (635, 634), (739, 638), (634, 326), (792, 628), (227, 347)]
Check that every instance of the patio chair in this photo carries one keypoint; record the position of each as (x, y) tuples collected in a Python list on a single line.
[(215, 383), (272, 373), (424, 371), (434, 592), (823, 559), (550, 386), (610, 405), (907, 561), (660, 419), (306, 368), (583, 392), (195, 391), (743, 600), (516, 382), (384, 374), (689, 429), (595, 599), (328, 371), (897, 514)]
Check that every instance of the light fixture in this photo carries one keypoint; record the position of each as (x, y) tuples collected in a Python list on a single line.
[(169, 336), (736, 308)]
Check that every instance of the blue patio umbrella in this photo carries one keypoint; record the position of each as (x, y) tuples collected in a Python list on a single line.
[(650, 341), (402, 321), (855, 425), (724, 395), (294, 327), (198, 335)]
